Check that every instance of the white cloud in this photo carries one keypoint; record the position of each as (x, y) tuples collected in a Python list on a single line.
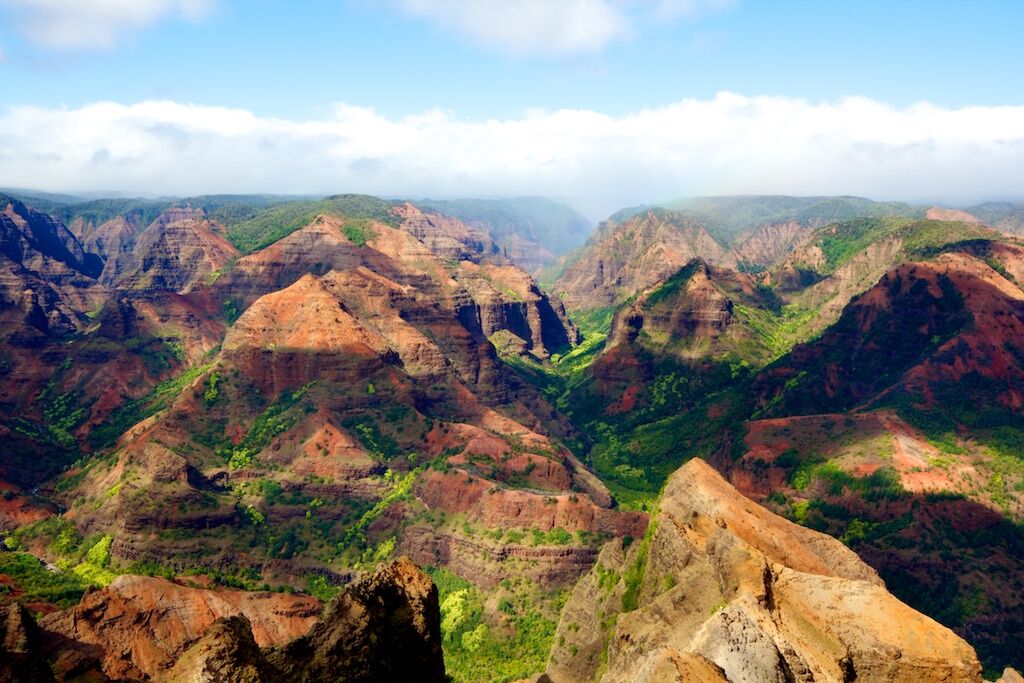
[(89, 24), (728, 144), (550, 27)]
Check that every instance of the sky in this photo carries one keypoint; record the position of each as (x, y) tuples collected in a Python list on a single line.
[(602, 103)]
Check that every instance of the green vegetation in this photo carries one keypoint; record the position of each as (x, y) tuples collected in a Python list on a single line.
[(95, 567), (730, 217), (401, 489), (919, 238), (358, 231), (883, 483), (133, 412), (634, 575), (275, 419), (381, 446), (672, 285), (62, 413), (229, 308), (510, 643), (211, 393), (319, 587), (139, 212), (280, 220), (919, 323), (779, 331), (36, 583), (86, 559)]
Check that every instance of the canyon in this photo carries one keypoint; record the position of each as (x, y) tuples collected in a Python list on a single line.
[(741, 439)]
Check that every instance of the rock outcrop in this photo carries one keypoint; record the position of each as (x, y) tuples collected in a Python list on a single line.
[(21, 648), (385, 626), (43, 244), (46, 276), (138, 626), (226, 652), (1010, 676), (382, 626), (722, 589), (508, 299)]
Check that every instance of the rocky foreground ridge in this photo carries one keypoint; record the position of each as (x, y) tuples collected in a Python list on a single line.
[(720, 589), (382, 626)]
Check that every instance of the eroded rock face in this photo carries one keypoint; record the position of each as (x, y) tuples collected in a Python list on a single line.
[(179, 252), (293, 336), (45, 276), (226, 652), (448, 238), (692, 316), (770, 244), (508, 299), (136, 627), (21, 659), (626, 258), (315, 249), (1010, 676), (525, 253), (384, 626), (722, 589), (43, 244), (922, 324)]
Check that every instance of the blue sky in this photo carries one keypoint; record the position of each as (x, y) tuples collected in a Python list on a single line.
[(356, 77), (290, 59)]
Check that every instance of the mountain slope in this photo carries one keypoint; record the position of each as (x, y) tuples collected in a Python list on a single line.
[(359, 356), (1003, 216), (622, 259), (890, 429), (636, 247), (732, 217)]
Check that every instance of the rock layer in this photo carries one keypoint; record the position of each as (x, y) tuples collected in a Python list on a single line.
[(137, 626), (625, 258), (382, 626)]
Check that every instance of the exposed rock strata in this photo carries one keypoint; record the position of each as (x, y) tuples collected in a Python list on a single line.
[(138, 626), (382, 626), (625, 258)]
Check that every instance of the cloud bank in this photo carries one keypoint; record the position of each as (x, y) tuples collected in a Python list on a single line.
[(550, 27), (724, 145), (91, 24)]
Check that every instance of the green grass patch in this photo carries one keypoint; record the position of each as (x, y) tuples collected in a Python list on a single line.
[(275, 222)]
